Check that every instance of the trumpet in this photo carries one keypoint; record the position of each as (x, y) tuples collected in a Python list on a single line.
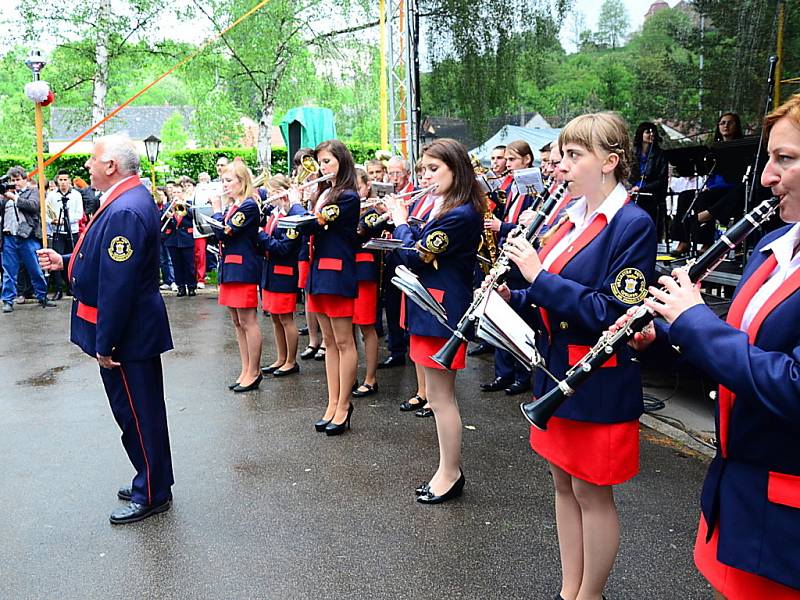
[(447, 353), (413, 196), (539, 411), (308, 166)]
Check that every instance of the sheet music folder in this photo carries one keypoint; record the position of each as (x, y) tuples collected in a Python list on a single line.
[(500, 325)]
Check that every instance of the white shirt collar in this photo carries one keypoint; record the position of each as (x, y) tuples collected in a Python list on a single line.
[(609, 207), (107, 193), (783, 247)]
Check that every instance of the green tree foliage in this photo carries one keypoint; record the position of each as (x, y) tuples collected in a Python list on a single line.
[(173, 134), (613, 24), (474, 48)]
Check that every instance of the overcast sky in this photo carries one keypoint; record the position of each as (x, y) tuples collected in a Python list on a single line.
[(589, 8)]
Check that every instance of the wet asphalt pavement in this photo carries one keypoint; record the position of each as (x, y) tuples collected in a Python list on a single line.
[(265, 507)]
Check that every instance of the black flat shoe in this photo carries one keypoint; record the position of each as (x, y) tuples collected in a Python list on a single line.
[(495, 386), (233, 385), (339, 428), (136, 512), (269, 370), (454, 492), (408, 406), (303, 331), (423, 412), (281, 373), (320, 355), (371, 389), (480, 349), (181, 292), (248, 388), (309, 352), (392, 361), (321, 425), (422, 488), (192, 292), (518, 387)]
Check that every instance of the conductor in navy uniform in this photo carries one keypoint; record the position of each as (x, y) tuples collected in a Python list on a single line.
[(119, 318)]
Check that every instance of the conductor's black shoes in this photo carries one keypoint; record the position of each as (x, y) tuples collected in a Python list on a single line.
[(125, 493), (518, 387), (136, 512), (496, 385)]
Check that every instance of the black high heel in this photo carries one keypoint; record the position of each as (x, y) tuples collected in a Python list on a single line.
[(422, 488), (454, 492), (233, 385), (321, 425), (248, 388), (339, 428)]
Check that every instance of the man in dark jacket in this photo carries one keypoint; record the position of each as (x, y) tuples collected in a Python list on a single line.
[(22, 235)]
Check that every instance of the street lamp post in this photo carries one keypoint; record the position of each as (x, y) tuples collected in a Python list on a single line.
[(151, 147), (36, 63)]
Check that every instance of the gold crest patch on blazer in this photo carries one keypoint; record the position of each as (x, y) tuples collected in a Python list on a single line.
[(120, 249), (629, 286), (292, 234), (330, 212), (238, 219), (437, 242)]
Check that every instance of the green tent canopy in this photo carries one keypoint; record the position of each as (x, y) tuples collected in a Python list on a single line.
[(306, 126)]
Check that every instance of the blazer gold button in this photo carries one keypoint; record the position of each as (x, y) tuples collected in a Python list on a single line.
[(563, 325)]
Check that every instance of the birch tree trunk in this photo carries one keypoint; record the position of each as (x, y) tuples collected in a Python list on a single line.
[(264, 144), (100, 88)]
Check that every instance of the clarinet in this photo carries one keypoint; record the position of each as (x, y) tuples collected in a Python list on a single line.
[(447, 353), (539, 411)]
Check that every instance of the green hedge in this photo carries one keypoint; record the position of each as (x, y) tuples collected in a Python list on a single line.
[(184, 162)]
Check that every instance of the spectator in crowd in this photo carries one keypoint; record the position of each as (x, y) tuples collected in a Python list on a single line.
[(22, 234), (91, 199), (376, 170), (222, 162), (65, 209)]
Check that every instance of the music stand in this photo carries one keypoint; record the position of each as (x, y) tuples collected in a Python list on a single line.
[(690, 161)]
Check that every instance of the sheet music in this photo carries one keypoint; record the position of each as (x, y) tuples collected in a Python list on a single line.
[(295, 222), (383, 244), (529, 178), (498, 320)]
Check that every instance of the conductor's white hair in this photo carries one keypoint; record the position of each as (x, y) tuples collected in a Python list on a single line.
[(121, 150)]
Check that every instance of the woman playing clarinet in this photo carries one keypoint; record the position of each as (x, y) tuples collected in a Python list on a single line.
[(592, 265), (748, 541)]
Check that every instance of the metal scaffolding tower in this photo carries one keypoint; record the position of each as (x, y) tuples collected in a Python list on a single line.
[(402, 18)]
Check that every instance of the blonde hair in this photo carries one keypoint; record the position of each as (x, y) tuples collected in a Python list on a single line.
[(789, 109), (279, 182), (239, 170), (601, 132)]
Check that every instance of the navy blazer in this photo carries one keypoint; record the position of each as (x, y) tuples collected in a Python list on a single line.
[(753, 493), (333, 266), (117, 309), (242, 258), (281, 250), (456, 235), (179, 234), (581, 304), (368, 261)]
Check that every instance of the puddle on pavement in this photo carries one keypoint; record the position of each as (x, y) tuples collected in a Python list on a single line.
[(43, 379)]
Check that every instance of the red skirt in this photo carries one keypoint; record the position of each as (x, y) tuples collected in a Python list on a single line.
[(366, 307), (600, 453), (238, 295), (278, 303), (330, 305), (302, 273), (731, 582), (423, 346)]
